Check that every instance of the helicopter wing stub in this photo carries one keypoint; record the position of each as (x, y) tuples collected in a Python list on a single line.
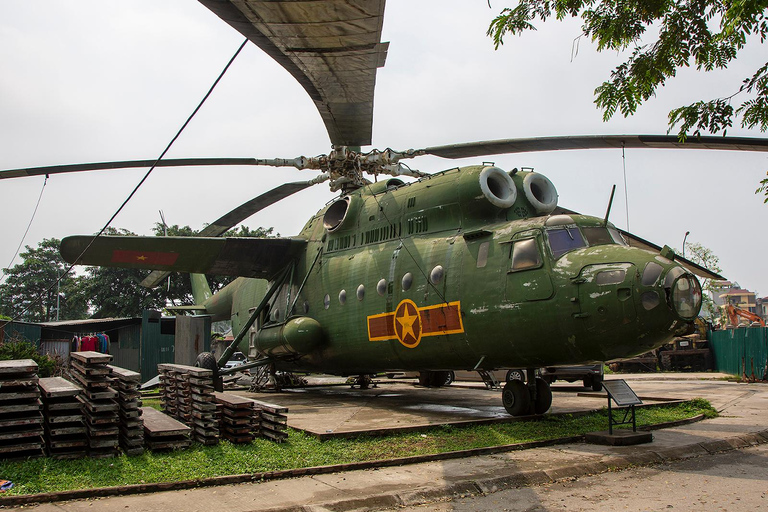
[(541, 144), (233, 218), (246, 257), (331, 48), (694, 268)]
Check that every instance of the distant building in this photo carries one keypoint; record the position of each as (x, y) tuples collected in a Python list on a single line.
[(743, 299), (762, 309)]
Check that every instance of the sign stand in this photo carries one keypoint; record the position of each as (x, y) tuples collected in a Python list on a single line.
[(619, 392)]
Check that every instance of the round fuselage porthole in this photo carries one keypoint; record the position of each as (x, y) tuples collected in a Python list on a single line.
[(335, 214)]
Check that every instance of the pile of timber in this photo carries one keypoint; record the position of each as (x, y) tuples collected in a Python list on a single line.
[(129, 402), (187, 394), (91, 371), (274, 421), (65, 432), (239, 420), (163, 432), (21, 420)]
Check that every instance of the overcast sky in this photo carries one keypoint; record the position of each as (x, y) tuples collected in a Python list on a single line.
[(94, 81)]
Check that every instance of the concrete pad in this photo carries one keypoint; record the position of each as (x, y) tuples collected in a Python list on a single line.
[(333, 410), (619, 437)]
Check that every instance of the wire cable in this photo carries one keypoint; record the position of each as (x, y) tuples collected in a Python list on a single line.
[(27, 231), (136, 188)]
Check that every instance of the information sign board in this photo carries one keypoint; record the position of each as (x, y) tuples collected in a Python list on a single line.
[(621, 393)]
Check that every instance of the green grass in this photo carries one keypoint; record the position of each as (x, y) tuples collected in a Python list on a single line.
[(48, 475)]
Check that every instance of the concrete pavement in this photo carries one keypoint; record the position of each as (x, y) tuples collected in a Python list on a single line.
[(743, 422)]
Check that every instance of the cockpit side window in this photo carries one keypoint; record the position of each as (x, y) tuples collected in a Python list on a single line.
[(525, 255), (617, 236), (597, 236), (563, 240)]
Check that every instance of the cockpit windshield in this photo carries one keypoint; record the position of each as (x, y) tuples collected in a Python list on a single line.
[(567, 238)]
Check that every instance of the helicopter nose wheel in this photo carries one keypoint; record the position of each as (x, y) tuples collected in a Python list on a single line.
[(520, 399)]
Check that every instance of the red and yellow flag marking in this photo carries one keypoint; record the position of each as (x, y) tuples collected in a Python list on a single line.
[(145, 257), (409, 323)]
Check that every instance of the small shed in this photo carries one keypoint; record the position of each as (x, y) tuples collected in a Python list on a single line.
[(138, 344)]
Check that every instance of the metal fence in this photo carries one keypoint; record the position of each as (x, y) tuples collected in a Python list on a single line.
[(742, 351)]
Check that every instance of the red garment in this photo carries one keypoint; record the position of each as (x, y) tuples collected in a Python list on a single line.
[(89, 343)]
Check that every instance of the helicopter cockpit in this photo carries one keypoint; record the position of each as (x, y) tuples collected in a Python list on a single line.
[(564, 235)]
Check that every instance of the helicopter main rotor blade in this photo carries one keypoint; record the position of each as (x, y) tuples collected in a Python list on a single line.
[(234, 217), (298, 163), (125, 164), (332, 48), (536, 144)]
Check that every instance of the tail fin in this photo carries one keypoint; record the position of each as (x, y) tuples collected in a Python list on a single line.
[(201, 290)]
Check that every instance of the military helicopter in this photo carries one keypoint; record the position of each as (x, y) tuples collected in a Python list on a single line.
[(470, 268)]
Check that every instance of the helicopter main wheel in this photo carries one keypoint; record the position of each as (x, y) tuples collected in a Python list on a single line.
[(208, 361), (441, 378), (516, 398), (543, 397)]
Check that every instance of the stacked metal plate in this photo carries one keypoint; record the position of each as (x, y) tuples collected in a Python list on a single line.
[(190, 399), (238, 421), (274, 421), (167, 389), (161, 432), (65, 431), (131, 423), (21, 418), (91, 371)]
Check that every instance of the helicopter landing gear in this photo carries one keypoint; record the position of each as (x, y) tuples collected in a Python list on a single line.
[(520, 398), (362, 381), (515, 397)]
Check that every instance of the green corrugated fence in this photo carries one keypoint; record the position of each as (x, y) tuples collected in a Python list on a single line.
[(742, 351)]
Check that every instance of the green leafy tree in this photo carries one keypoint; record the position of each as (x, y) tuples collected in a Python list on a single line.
[(663, 37), (30, 292), (697, 253)]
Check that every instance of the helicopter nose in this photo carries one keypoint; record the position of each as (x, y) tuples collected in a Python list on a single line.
[(672, 286), (630, 308)]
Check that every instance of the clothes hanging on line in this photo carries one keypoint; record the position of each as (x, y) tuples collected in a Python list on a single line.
[(98, 342)]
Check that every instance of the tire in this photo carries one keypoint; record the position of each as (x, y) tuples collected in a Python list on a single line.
[(425, 379), (516, 398), (440, 378), (515, 375), (208, 361), (543, 397), (597, 384)]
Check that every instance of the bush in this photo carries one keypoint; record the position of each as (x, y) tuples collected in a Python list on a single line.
[(22, 349)]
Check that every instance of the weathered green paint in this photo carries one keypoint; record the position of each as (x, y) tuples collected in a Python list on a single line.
[(553, 314), (742, 351), (521, 303)]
